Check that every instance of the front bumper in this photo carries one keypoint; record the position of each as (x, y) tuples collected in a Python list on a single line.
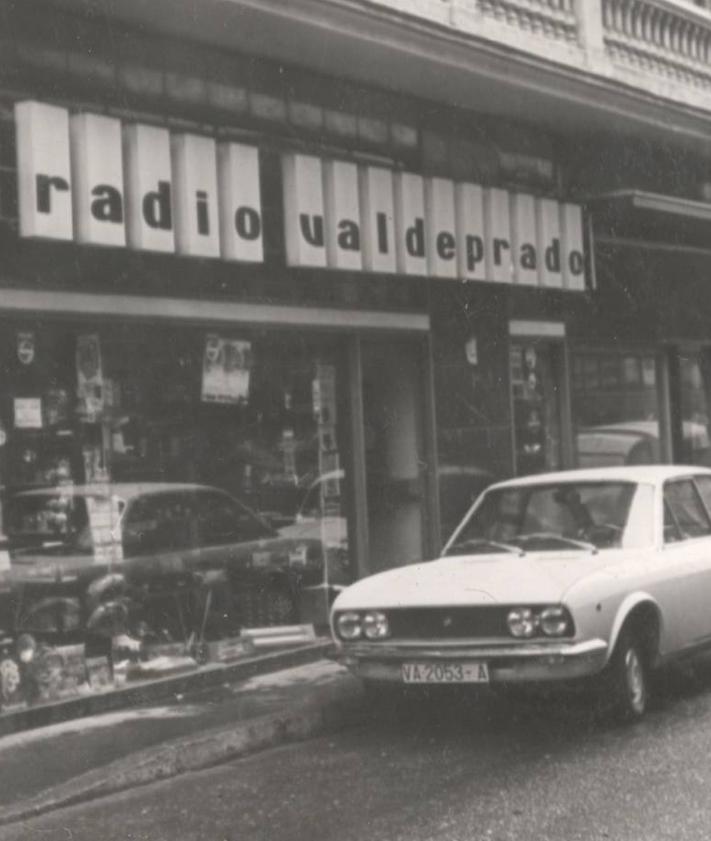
[(519, 663)]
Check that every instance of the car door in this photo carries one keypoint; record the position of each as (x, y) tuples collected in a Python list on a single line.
[(158, 536), (687, 545)]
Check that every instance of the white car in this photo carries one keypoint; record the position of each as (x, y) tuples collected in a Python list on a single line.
[(602, 573)]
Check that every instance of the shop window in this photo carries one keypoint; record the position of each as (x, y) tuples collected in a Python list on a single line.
[(259, 416), (615, 408)]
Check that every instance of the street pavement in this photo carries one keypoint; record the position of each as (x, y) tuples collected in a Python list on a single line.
[(74, 754), (444, 767)]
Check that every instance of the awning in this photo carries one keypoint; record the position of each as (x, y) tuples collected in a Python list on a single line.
[(651, 220)]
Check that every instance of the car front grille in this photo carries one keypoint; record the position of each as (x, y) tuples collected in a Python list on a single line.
[(448, 623)]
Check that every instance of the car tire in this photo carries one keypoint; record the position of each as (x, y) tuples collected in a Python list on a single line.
[(628, 678)]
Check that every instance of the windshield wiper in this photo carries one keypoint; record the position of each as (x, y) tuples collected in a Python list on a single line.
[(549, 535), (481, 541)]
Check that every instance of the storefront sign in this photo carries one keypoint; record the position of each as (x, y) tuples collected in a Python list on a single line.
[(105, 183), (402, 222), (92, 179)]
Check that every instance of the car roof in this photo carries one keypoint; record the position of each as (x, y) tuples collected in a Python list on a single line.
[(648, 473), (125, 490)]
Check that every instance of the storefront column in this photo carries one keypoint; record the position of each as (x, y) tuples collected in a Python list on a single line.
[(433, 532), (667, 407), (360, 538)]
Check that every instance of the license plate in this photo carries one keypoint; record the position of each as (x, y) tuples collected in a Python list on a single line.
[(445, 673)]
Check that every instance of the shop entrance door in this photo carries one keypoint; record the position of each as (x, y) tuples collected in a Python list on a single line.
[(537, 378), (394, 464)]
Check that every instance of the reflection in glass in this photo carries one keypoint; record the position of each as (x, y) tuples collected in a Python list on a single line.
[(695, 379), (615, 409)]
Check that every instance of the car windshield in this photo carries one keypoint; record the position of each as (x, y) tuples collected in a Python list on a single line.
[(55, 519), (558, 517)]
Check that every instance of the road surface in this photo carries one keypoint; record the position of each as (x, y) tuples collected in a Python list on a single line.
[(446, 769)]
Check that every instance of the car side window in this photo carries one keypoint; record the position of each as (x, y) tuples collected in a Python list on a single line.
[(703, 484), (686, 511), (222, 519), (158, 523), (671, 530)]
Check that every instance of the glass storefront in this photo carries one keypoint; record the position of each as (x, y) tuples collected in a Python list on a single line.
[(616, 408)]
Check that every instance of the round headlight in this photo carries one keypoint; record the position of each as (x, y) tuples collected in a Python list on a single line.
[(375, 625), (521, 622), (554, 621), (349, 626), (26, 648)]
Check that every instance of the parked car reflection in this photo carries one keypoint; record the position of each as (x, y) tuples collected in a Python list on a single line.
[(637, 442), (172, 560)]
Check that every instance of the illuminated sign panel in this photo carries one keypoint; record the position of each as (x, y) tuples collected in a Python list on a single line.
[(44, 171), (197, 230), (240, 203), (97, 166)]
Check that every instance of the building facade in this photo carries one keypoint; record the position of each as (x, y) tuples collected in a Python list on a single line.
[(352, 261)]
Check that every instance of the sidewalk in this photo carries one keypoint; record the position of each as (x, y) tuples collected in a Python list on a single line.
[(50, 767)]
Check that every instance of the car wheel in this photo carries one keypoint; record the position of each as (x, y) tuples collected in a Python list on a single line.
[(628, 674)]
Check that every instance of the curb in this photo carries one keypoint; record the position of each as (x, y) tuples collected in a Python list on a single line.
[(206, 677), (196, 753)]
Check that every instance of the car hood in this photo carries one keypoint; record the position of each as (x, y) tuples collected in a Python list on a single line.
[(534, 578)]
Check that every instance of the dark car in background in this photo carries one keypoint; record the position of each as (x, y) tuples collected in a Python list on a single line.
[(173, 561)]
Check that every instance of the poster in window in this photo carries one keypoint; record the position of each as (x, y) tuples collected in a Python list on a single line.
[(226, 370), (90, 379), (28, 412)]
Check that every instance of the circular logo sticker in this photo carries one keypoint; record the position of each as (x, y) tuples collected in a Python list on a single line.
[(26, 348)]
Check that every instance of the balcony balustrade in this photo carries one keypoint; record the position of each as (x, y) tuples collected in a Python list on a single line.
[(672, 40), (661, 46)]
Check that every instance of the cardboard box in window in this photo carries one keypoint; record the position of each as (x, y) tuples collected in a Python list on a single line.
[(60, 672), (164, 649), (98, 674), (225, 650)]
